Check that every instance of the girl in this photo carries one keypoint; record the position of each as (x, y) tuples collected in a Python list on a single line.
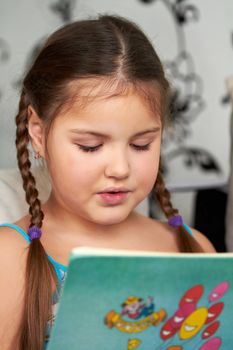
[(93, 106)]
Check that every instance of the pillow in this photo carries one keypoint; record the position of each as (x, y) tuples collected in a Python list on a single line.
[(13, 204)]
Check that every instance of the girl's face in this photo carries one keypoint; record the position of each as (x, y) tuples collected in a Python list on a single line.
[(111, 144)]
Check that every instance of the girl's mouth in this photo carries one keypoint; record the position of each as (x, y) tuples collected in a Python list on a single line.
[(113, 197)]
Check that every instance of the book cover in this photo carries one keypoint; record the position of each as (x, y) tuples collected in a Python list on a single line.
[(119, 300)]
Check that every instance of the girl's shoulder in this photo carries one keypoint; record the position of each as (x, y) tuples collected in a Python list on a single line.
[(15, 233), (155, 235), (13, 257), (11, 239), (13, 250), (163, 237)]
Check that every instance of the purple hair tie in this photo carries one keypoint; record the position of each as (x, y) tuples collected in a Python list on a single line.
[(34, 232), (176, 221)]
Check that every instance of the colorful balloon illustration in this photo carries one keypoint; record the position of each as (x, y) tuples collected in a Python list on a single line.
[(218, 291), (167, 331), (188, 308), (181, 314), (192, 295), (193, 323), (210, 330), (177, 319), (212, 344), (214, 311)]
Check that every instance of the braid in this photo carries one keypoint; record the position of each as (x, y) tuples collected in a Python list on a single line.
[(186, 242), (24, 164), (39, 271), (164, 197)]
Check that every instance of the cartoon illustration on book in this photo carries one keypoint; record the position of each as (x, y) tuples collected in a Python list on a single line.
[(133, 344), (190, 321), (141, 314)]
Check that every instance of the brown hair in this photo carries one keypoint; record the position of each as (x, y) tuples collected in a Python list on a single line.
[(108, 47)]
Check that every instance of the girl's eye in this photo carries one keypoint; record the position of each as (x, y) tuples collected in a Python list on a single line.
[(141, 148), (88, 148), (95, 148)]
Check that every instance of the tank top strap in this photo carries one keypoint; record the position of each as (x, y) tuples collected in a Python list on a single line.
[(60, 269), (188, 229), (18, 229)]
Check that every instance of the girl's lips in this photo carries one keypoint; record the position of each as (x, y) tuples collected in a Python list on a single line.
[(113, 198)]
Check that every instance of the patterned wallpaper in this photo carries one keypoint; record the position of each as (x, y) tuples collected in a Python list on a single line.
[(194, 40)]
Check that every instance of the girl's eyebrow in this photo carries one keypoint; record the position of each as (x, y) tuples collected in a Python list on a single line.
[(94, 133)]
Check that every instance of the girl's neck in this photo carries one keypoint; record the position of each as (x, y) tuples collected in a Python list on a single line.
[(58, 219)]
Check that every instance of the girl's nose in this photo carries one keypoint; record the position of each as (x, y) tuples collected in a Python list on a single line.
[(117, 165)]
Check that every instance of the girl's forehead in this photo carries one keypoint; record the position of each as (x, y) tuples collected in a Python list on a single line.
[(116, 115), (99, 93), (119, 108)]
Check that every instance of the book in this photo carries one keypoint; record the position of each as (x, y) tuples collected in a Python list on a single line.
[(125, 300)]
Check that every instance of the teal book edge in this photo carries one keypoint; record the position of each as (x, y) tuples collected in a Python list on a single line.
[(121, 300)]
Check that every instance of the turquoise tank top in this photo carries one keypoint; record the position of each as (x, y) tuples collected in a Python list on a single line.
[(61, 272)]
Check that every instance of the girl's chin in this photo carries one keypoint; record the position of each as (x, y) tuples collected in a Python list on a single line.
[(111, 219), (109, 222)]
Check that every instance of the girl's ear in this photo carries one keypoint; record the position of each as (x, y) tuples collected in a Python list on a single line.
[(36, 131)]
